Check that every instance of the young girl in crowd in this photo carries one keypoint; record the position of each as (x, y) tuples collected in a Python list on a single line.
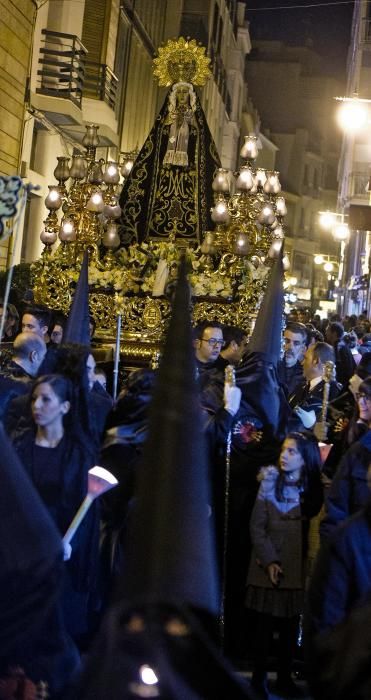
[(289, 495)]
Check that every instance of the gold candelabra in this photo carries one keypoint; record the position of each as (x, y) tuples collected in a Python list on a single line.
[(227, 271), (248, 212), (84, 215)]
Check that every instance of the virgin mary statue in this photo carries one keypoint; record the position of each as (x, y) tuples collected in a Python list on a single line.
[(168, 194)]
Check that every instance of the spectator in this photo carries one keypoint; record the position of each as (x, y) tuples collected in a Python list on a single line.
[(348, 491), (288, 496), (290, 370), (345, 364), (235, 344), (56, 329), (11, 323), (37, 320)]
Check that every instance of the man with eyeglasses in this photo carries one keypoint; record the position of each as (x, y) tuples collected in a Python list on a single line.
[(208, 342)]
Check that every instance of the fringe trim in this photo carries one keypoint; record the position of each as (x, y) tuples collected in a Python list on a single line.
[(176, 158)]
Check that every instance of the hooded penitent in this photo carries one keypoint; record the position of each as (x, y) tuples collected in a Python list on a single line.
[(263, 402), (32, 634), (153, 643), (77, 326)]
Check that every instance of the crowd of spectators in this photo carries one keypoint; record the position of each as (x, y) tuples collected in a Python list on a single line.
[(61, 420)]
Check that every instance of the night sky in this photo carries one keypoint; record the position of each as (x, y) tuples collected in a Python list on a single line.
[(328, 27)]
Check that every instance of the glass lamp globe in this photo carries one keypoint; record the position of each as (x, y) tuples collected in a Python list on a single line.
[(67, 231), (95, 203), (249, 150), (220, 213), (245, 180), (53, 200), (48, 237), (221, 181)]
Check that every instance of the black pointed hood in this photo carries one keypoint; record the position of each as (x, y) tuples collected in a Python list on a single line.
[(264, 407), (171, 557), (267, 334), (169, 571), (77, 326)]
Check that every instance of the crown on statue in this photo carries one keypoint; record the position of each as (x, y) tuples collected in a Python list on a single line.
[(181, 61)]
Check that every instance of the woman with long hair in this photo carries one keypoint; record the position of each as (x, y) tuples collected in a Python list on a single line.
[(75, 362), (55, 455), (289, 495)]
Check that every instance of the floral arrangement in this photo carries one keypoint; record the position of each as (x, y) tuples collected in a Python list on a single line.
[(150, 268)]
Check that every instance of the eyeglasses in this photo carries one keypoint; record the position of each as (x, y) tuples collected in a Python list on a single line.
[(365, 397), (213, 342), (296, 343)]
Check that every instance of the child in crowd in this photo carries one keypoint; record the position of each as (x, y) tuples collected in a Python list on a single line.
[(289, 496)]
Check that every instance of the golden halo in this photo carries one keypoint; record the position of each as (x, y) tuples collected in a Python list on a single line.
[(181, 60)]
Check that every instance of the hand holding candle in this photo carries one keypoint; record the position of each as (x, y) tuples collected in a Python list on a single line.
[(99, 481)]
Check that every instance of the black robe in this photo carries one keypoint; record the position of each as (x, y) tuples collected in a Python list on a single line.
[(62, 495), (157, 198)]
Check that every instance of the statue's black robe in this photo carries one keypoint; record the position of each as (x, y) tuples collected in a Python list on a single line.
[(158, 199)]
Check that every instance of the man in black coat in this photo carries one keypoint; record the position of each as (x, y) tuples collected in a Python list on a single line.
[(28, 353), (207, 342), (345, 364), (306, 399), (337, 640), (349, 489), (290, 368)]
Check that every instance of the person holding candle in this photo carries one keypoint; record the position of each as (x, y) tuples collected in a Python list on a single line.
[(57, 459)]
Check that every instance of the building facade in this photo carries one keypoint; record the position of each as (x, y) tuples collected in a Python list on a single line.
[(90, 61), (17, 25), (355, 170), (294, 100)]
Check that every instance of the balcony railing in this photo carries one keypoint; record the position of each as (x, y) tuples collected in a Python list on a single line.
[(366, 30), (61, 61), (100, 83), (358, 183), (220, 77)]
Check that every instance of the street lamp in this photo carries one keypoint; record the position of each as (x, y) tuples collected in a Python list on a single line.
[(318, 259), (341, 232), (328, 262), (327, 219), (335, 222), (353, 114)]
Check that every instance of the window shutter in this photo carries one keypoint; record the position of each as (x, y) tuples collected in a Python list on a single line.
[(96, 16)]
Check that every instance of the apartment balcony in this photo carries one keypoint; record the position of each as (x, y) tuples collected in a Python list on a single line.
[(358, 183), (72, 91), (99, 101), (100, 83), (60, 77), (220, 77)]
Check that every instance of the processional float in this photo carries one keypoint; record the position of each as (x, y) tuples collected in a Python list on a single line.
[(176, 199)]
